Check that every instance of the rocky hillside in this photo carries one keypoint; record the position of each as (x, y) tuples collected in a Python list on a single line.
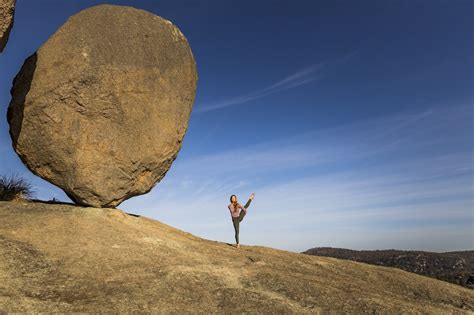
[(454, 267), (64, 258)]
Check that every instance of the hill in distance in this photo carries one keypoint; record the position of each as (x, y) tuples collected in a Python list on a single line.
[(455, 267), (64, 258)]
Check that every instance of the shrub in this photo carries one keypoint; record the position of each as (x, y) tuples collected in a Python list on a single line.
[(14, 188)]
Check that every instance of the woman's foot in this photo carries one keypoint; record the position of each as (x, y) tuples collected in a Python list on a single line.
[(252, 196), (238, 246)]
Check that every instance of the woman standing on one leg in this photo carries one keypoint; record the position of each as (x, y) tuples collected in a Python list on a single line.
[(237, 215)]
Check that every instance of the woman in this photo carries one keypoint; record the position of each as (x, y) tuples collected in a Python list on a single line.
[(237, 215)]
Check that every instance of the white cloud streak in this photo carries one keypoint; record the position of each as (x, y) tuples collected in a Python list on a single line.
[(301, 77)]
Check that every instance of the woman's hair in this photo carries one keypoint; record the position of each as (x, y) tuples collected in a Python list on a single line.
[(235, 199)]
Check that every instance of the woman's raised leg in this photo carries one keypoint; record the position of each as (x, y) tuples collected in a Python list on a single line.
[(248, 203), (243, 213)]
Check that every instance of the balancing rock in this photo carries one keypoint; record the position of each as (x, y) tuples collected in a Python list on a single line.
[(101, 109)]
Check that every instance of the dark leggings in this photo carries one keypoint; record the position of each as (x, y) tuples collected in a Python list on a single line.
[(236, 221)]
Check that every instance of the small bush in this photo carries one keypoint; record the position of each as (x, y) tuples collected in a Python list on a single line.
[(14, 188)]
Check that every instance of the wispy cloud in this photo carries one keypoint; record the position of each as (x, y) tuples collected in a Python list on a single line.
[(301, 77), (304, 76)]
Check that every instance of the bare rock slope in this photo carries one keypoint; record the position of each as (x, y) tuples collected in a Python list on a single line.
[(101, 109), (64, 258), (7, 11)]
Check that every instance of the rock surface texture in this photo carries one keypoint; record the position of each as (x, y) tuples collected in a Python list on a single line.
[(102, 107), (65, 259), (7, 10)]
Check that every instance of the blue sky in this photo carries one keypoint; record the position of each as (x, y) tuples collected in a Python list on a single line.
[(353, 122)]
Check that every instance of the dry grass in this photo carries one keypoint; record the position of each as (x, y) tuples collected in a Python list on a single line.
[(14, 188)]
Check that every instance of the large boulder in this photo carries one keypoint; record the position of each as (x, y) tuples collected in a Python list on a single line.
[(101, 109), (7, 10)]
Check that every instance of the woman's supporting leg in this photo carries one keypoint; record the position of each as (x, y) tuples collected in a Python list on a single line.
[(235, 221)]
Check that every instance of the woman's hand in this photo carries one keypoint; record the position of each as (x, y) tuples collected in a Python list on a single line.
[(252, 196)]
